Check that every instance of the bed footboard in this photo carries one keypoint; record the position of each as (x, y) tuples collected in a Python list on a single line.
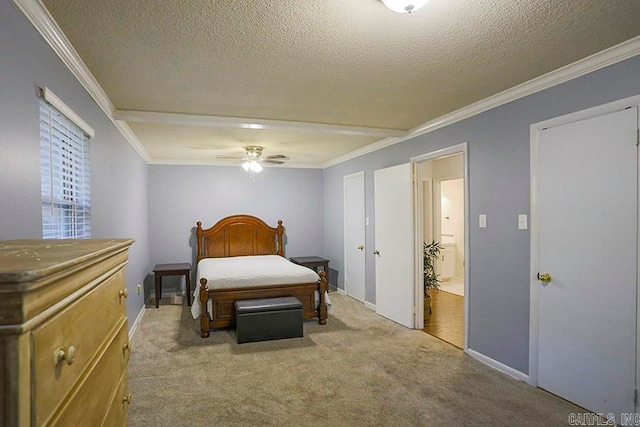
[(323, 287), (222, 313), (205, 325)]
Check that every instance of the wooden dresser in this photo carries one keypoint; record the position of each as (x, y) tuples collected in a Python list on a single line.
[(64, 344)]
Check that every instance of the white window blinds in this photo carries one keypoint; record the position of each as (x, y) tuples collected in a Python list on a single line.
[(66, 178)]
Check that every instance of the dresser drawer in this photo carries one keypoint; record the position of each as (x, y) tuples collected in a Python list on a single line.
[(85, 325), (89, 403), (117, 415)]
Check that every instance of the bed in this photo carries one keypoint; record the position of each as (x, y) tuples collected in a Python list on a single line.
[(241, 257)]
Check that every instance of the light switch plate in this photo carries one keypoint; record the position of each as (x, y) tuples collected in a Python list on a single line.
[(482, 221), (522, 222)]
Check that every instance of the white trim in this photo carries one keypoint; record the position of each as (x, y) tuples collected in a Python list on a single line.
[(370, 305), (249, 123), (59, 104), (533, 257), (444, 152), (534, 249), (44, 23), (132, 139), (597, 61), (136, 323), (342, 291), (498, 366), (365, 150), (417, 188), (637, 404)]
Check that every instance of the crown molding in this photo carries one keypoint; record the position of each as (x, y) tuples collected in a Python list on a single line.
[(597, 61), (253, 123), (44, 23)]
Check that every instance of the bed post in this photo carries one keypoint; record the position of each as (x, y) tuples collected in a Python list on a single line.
[(204, 316), (322, 308), (280, 231), (199, 240)]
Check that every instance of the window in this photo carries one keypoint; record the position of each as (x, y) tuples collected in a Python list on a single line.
[(65, 172)]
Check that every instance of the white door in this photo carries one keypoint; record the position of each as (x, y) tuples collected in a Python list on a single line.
[(588, 216), (393, 201), (354, 234)]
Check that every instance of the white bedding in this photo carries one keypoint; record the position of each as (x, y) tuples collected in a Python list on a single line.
[(248, 271)]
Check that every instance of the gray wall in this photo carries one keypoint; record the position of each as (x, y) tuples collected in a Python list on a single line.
[(118, 175), (179, 196), (499, 187)]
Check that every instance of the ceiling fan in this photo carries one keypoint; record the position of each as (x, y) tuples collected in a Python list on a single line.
[(253, 158)]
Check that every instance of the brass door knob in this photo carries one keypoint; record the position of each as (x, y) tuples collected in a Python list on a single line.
[(361, 247), (126, 347), (544, 277), (124, 293), (127, 398)]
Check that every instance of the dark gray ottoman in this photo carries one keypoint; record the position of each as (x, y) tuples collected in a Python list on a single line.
[(268, 319)]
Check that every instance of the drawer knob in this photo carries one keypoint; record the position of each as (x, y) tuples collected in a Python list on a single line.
[(126, 347), (127, 398), (67, 356), (124, 293)]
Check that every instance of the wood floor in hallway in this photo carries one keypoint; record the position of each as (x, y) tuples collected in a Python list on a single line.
[(446, 320)]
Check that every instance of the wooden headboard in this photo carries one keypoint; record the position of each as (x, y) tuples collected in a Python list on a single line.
[(239, 235)]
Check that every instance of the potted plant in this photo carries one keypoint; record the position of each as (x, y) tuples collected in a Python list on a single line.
[(431, 252)]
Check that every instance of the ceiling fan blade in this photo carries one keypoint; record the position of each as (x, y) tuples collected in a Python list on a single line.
[(230, 157), (277, 156), (273, 162)]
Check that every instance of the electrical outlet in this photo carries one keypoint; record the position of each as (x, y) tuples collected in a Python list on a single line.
[(139, 289)]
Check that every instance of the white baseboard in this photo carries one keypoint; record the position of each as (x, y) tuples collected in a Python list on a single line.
[(134, 326), (366, 303), (498, 366)]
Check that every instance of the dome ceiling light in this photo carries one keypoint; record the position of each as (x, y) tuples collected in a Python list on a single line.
[(404, 6)]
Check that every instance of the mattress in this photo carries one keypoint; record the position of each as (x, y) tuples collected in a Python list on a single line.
[(248, 271)]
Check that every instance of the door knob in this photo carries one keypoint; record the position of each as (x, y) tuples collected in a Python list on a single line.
[(68, 356), (544, 277), (376, 252), (361, 247)]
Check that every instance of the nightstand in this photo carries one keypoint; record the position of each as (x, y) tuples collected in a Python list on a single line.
[(312, 262), (160, 270)]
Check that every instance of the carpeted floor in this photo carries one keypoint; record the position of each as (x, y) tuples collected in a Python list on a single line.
[(358, 370)]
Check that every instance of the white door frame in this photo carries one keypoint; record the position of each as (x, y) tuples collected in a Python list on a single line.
[(419, 231), (427, 184), (535, 232), (344, 221)]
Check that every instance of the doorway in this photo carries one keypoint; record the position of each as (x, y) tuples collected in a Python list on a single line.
[(442, 212)]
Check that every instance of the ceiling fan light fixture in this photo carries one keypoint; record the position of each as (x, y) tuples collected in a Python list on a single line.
[(404, 6), (252, 166), (256, 166)]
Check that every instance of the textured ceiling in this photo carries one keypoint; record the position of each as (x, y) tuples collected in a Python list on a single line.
[(336, 62)]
